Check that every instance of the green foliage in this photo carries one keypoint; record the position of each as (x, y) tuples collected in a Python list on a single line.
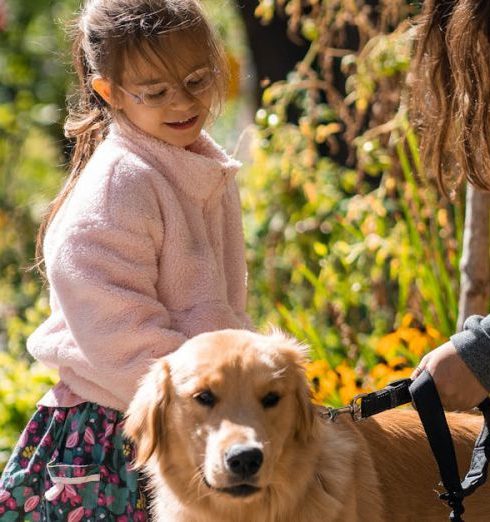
[(21, 386), (340, 255)]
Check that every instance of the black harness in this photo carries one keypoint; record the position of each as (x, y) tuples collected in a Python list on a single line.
[(423, 394)]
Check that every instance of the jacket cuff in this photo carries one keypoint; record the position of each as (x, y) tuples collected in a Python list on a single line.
[(473, 346)]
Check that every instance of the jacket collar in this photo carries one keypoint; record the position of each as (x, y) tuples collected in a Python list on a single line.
[(200, 171)]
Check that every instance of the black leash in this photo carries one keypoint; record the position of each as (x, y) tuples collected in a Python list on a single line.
[(423, 393)]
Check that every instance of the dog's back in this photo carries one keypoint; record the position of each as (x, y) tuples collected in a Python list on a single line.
[(407, 469)]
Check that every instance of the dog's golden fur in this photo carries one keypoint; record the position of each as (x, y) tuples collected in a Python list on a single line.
[(379, 470)]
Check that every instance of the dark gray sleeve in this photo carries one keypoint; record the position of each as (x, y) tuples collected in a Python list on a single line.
[(473, 345)]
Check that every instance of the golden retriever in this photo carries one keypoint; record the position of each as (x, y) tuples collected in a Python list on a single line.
[(226, 430)]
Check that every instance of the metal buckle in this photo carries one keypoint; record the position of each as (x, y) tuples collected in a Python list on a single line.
[(355, 405), (354, 408)]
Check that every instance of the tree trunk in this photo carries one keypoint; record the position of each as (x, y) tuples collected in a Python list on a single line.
[(475, 259)]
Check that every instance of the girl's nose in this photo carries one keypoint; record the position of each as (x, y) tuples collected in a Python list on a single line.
[(182, 100)]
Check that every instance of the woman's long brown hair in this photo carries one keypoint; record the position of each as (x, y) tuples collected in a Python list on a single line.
[(106, 33), (450, 81)]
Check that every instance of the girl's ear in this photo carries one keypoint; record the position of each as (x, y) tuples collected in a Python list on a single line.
[(145, 418), (103, 88)]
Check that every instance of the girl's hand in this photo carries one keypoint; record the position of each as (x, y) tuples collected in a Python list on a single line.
[(458, 387)]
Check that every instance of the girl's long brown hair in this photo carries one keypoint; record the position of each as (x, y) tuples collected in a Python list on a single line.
[(106, 33), (450, 81)]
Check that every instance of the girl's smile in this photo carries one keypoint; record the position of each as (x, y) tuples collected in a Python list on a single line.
[(183, 124)]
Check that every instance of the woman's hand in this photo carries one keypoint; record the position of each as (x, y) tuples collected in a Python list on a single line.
[(458, 387)]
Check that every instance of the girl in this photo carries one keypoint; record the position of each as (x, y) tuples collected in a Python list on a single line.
[(452, 91), (143, 249)]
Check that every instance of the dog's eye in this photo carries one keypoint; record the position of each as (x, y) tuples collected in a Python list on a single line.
[(205, 398), (270, 400)]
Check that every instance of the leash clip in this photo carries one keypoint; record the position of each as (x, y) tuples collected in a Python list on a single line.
[(353, 408)]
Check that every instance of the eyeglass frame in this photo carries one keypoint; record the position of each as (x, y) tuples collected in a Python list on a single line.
[(139, 98)]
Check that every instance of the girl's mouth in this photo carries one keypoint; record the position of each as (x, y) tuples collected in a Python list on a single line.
[(183, 125)]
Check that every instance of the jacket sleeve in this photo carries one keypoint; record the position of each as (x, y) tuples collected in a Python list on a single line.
[(473, 345), (103, 269)]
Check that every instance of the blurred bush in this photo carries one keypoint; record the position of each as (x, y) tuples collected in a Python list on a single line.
[(341, 254)]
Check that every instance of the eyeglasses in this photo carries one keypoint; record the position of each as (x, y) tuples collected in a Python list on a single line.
[(163, 93)]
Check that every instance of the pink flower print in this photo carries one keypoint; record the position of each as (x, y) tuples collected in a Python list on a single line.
[(78, 472), (78, 461), (70, 490), (47, 440), (2, 510), (74, 425), (36, 517), (109, 430), (101, 501), (76, 515), (36, 467), (72, 440), (11, 503), (89, 437), (113, 478), (59, 416), (31, 503), (32, 427), (122, 518), (4, 495), (139, 516)]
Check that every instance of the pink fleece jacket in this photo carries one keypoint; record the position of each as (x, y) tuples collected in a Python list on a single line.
[(146, 252)]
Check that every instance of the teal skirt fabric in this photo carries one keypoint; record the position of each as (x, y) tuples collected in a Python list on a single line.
[(73, 464)]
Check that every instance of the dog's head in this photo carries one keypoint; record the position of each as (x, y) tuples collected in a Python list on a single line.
[(225, 413)]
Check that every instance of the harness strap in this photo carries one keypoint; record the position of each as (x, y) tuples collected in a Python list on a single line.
[(430, 410)]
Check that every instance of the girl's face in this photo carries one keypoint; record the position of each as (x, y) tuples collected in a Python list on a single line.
[(180, 118)]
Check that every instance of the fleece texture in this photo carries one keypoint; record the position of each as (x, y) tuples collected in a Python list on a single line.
[(146, 252)]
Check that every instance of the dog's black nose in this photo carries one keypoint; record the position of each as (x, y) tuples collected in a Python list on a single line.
[(244, 461)]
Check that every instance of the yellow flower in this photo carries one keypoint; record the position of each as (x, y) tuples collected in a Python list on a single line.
[(418, 345), (28, 451), (388, 344), (407, 320), (323, 381), (397, 361), (407, 334)]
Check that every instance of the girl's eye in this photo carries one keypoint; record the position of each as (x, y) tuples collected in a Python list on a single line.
[(199, 81), (205, 398), (270, 400), (157, 94)]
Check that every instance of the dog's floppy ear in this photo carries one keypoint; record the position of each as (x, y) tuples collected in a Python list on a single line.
[(145, 417), (296, 355), (306, 411)]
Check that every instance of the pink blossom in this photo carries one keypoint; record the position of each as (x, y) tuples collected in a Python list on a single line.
[(32, 427), (72, 440), (47, 440), (11, 503), (4, 495)]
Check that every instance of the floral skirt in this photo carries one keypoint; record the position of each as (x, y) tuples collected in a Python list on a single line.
[(73, 464)]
